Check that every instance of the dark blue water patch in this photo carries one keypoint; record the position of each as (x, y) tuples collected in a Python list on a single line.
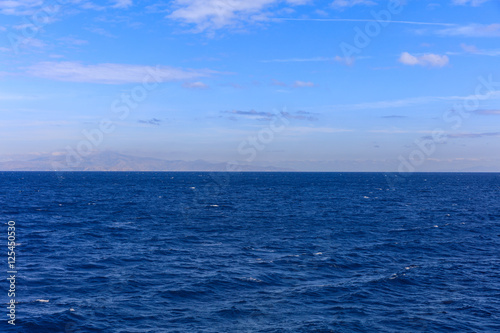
[(253, 252)]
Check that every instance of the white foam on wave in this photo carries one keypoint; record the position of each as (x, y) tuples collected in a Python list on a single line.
[(250, 279)]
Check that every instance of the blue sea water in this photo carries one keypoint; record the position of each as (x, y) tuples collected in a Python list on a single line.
[(252, 252)]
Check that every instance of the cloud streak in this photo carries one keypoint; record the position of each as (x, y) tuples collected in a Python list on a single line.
[(111, 73), (413, 101), (266, 116), (153, 121), (342, 4), (364, 21), (473, 3), (467, 135), (472, 30)]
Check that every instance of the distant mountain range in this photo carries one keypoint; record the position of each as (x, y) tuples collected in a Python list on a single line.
[(111, 161)]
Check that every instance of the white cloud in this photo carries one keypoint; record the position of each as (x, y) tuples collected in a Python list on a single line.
[(345, 60), (473, 3), (278, 83), (216, 14), (469, 48), (7, 97), (122, 3), (341, 4), (302, 84), (429, 59), (19, 7), (472, 30), (195, 85), (101, 32), (27, 26), (25, 43), (111, 73)]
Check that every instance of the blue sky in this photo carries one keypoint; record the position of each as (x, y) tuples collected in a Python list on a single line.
[(315, 85)]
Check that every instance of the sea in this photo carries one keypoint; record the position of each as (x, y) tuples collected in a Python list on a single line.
[(125, 252)]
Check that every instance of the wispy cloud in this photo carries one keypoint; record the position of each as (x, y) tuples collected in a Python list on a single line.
[(303, 84), (471, 135), (472, 30), (429, 60), (27, 27), (73, 41), (101, 31), (252, 114), (195, 85), (122, 3), (394, 117), (6, 97), (487, 112), (116, 4), (266, 116), (300, 115), (29, 43), (278, 83), (363, 20), (472, 49), (302, 130), (19, 7), (469, 48), (344, 60), (473, 3), (111, 73), (342, 4), (414, 101), (396, 131), (153, 121), (217, 14)]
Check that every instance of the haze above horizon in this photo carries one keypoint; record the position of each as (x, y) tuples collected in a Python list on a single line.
[(359, 85)]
